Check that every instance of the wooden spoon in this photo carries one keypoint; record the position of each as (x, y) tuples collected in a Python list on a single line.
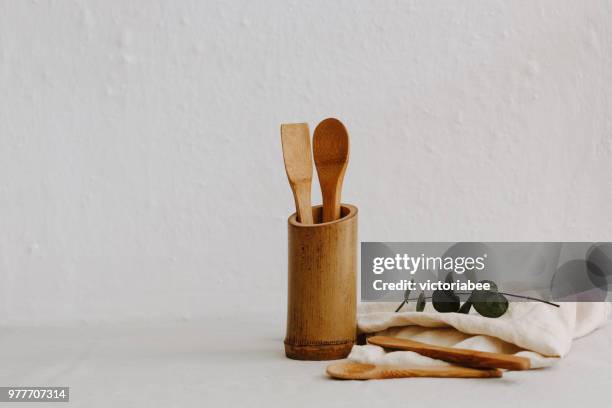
[(359, 371), (331, 153), (295, 138), (465, 357)]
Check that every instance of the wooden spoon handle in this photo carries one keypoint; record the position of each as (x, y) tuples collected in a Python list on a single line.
[(331, 204), (470, 358), (438, 372), (358, 371)]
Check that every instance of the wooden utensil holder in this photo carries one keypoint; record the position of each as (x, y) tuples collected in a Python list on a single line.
[(321, 310)]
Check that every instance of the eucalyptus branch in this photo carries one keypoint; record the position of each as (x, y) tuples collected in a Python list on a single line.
[(489, 303)]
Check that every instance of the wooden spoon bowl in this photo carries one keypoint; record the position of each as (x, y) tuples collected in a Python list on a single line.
[(331, 154)]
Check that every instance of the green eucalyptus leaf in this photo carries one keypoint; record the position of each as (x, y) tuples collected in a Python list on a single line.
[(420, 306), (491, 304), (479, 296), (492, 285), (465, 307), (445, 301), (449, 278)]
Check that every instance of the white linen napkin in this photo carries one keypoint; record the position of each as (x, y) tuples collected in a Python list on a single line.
[(540, 332)]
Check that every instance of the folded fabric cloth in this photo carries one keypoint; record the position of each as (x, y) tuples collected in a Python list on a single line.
[(540, 332)]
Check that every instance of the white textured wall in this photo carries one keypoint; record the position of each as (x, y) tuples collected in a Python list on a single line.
[(140, 165)]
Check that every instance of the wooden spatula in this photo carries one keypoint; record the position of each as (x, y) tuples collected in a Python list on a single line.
[(358, 371), (295, 138), (331, 153), (464, 357)]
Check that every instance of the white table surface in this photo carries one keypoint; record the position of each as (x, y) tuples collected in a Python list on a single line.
[(230, 362)]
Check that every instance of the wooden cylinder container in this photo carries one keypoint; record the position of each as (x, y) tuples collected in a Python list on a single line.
[(321, 311)]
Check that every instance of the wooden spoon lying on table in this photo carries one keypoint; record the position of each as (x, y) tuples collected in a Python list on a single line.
[(295, 138), (359, 371), (464, 357), (331, 153)]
